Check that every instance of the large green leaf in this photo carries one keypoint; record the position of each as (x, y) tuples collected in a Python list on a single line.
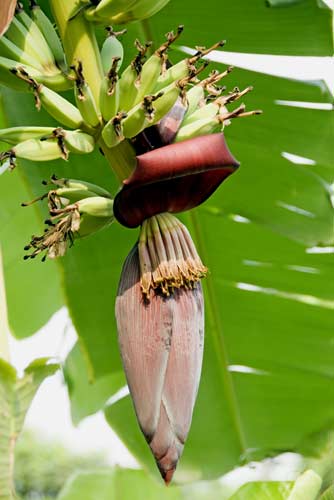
[(270, 490), (88, 396), (267, 376), (16, 394), (300, 29), (33, 292), (116, 484)]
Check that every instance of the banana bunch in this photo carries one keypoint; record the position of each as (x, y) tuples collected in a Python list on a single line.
[(31, 44), (146, 93), (119, 11), (174, 99), (77, 209)]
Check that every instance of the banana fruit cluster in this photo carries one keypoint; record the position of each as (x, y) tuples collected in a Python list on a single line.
[(77, 209), (120, 11), (31, 44), (148, 92)]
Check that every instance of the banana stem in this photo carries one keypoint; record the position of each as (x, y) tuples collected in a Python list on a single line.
[(122, 158), (4, 328), (79, 42)]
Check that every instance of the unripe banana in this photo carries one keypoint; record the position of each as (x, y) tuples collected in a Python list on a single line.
[(78, 142), (154, 66), (109, 92), (34, 150), (50, 34), (195, 96), (185, 67), (112, 132), (74, 190), (9, 50), (71, 141), (141, 10), (84, 98), (8, 71), (58, 107), (14, 135), (29, 75), (200, 127), (37, 41), (16, 76), (18, 34), (208, 111), (140, 117), (96, 213), (130, 79), (107, 9), (112, 48), (146, 8)]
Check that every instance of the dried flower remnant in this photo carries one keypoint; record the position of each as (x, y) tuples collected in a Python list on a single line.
[(167, 256), (76, 209)]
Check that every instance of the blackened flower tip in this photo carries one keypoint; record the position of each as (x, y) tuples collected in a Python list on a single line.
[(167, 256)]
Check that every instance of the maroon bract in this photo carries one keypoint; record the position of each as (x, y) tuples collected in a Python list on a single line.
[(174, 178)]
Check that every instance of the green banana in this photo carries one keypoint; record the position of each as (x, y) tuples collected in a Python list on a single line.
[(79, 219), (107, 9), (112, 48), (20, 36), (215, 107), (36, 41), (34, 150), (84, 98), (58, 107), (74, 141), (210, 110), (204, 126), (14, 135), (9, 50), (50, 34), (130, 79), (96, 213), (140, 116), (16, 76), (185, 67), (142, 9), (74, 190), (112, 132), (109, 92), (154, 66), (8, 71), (29, 75), (196, 95), (78, 142), (214, 124)]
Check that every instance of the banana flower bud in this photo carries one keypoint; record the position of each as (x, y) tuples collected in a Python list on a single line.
[(76, 209), (161, 337), (174, 178)]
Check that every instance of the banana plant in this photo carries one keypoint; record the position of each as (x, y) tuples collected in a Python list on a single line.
[(160, 128)]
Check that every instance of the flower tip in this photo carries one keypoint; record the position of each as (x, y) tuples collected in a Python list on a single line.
[(168, 475)]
